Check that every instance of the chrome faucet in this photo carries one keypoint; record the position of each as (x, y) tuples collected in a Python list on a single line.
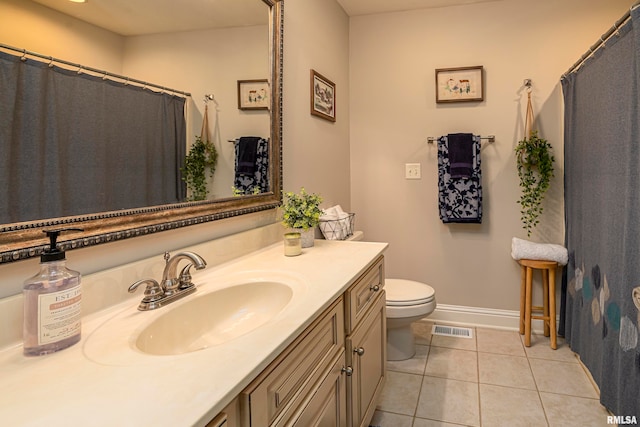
[(171, 283), (172, 286)]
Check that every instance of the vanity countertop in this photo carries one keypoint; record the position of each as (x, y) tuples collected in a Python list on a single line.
[(103, 381)]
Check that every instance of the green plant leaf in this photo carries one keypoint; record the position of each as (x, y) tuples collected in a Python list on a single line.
[(202, 156), (301, 210), (534, 162)]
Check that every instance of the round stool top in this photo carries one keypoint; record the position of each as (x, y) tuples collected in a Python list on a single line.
[(401, 292)]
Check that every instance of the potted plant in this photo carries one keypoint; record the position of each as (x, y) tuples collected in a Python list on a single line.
[(202, 155), (535, 169), (301, 212)]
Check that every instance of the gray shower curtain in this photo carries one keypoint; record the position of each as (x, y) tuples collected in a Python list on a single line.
[(73, 144), (602, 211)]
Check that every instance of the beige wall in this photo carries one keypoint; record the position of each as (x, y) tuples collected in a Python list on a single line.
[(316, 151), (393, 111), (28, 25)]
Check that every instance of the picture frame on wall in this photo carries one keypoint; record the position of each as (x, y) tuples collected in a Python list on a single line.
[(461, 84), (254, 94), (323, 97)]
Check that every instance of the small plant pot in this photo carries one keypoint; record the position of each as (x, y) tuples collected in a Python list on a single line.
[(307, 237)]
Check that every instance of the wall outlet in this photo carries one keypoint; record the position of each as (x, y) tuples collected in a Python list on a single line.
[(412, 171)]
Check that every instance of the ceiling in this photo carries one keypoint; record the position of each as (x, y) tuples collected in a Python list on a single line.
[(367, 7), (137, 17)]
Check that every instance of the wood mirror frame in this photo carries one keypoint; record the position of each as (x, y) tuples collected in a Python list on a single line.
[(24, 240)]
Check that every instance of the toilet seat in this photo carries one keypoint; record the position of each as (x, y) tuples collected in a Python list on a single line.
[(404, 293)]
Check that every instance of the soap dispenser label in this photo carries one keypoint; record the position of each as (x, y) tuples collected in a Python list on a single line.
[(59, 315)]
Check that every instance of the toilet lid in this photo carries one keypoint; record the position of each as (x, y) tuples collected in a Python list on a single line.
[(402, 292)]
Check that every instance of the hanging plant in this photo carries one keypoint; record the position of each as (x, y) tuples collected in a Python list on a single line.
[(202, 156), (535, 169)]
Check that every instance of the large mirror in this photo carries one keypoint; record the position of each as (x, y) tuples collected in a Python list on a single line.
[(201, 48)]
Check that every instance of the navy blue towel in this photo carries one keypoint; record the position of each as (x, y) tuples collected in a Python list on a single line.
[(247, 155), (460, 155)]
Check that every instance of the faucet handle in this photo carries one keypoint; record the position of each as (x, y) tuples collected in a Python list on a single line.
[(152, 293), (185, 277)]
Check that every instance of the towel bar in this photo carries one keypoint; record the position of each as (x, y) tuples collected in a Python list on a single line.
[(490, 139)]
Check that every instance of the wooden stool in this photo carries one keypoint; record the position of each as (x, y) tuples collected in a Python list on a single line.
[(548, 309)]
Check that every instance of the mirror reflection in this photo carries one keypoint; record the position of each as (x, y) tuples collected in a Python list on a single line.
[(195, 47), (220, 63)]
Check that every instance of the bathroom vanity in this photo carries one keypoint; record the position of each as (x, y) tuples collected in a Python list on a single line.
[(332, 373), (317, 359)]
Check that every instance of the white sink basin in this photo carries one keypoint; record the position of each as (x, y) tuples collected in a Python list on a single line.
[(214, 318)]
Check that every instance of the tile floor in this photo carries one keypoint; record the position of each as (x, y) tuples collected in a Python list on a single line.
[(488, 381)]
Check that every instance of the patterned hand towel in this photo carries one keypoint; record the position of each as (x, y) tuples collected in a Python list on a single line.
[(459, 199), (258, 180)]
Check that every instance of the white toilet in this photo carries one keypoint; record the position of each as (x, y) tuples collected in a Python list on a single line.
[(407, 302)]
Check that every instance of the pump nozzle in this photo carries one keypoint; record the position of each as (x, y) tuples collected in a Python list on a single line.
[(53, 253)]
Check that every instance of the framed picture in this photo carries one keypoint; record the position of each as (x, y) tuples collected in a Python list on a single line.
[(323, 97), (254, 94), (462, 84)]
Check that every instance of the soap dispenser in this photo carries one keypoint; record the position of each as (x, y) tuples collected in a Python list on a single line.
[(51, 303)]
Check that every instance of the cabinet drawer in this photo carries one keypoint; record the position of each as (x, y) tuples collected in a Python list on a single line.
[(297, 369), (361, 294)]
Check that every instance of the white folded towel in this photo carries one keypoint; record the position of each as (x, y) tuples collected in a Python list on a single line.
[(334, 223), (524, 249)]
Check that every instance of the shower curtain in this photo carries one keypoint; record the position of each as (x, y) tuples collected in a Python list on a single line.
[(602, 211), (73, 144)]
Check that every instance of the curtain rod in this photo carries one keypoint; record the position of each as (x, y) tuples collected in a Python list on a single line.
[(105, 74), (603, 38)]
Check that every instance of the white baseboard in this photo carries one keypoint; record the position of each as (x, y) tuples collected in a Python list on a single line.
[(481, 317)]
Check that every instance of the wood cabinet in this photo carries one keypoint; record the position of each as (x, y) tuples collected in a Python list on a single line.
[(286, 387), (331, 375), (326, 406), (366, 354), (366, 345), (229, 417)]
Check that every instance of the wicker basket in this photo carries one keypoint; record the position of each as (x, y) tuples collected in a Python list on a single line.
[(338, 229)]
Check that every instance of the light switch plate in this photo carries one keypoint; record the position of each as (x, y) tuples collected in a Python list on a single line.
[(412, 171)]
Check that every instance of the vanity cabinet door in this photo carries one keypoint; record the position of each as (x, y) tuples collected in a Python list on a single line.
[(327, 404), (283, 387), (229, 417), (366, 355)]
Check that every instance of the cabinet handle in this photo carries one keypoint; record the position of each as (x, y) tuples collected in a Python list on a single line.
[(348, 370), (374, 288), (359, 351)]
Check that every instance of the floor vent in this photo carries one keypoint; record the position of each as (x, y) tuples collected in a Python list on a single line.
[(450, 331)]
